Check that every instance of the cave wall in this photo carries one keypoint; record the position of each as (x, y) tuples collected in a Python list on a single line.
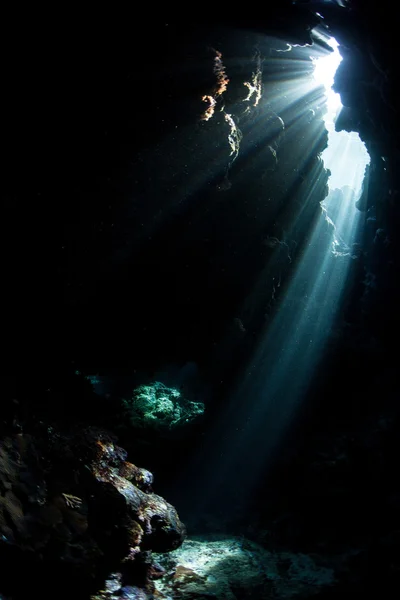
[(112, 185), (335, 485)]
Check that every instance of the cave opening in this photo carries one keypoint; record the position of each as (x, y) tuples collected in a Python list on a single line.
[(201, 283), (290, 350), (345, 156)]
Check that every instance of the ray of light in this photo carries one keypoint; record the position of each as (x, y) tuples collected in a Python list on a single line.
[(278, 376)]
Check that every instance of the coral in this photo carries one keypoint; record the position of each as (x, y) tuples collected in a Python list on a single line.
[(161, 408)]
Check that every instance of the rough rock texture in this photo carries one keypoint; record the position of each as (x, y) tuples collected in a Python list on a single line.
[(151, 249), (365, 81), (229, 568), (72, 507)]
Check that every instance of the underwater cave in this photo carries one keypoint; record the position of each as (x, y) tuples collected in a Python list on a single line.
[(200, 388)]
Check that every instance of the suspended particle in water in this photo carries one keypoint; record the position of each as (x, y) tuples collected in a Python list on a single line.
[(224, 185)]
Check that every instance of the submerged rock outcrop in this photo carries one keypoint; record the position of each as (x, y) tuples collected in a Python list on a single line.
[(72, 508)]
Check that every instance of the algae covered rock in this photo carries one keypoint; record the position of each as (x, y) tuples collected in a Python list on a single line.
[(161, 408), (234, 568)]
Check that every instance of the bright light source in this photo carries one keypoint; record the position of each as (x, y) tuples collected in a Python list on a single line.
[(346, 156), (324, 73)]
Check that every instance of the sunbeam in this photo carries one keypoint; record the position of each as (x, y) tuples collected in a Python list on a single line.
[(279, 373)]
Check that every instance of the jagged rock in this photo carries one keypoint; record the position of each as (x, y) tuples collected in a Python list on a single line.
[(72, 505)]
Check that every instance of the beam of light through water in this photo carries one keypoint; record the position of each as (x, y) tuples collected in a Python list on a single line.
[(246, 438)]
